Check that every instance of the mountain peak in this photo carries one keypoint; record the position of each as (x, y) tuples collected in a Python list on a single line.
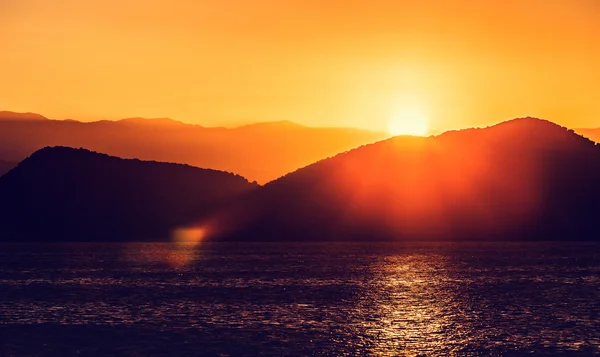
[(531, 123), (520, 131), (61, 154)]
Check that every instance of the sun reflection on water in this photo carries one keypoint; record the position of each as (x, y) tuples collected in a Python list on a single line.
[(414, 307)]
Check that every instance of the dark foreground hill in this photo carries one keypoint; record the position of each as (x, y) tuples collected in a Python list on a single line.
[(73, 194), (525, 179), (261, 152)]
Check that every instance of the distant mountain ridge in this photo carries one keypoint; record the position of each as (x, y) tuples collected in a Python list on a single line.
[(8, 115), (65, 194), (261, 152), (522, 180), (151, 121)]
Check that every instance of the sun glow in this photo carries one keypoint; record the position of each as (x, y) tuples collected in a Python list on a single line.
[(409, 122)]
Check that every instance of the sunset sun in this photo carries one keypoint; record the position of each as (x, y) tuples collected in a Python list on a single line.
[(408, 122)]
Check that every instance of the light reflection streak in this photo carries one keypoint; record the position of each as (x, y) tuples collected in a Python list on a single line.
[(414, 306), (184, 249)]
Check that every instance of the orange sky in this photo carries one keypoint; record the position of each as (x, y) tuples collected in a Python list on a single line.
[(316, 62)]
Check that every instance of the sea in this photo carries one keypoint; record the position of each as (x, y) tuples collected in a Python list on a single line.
[(296, 299)]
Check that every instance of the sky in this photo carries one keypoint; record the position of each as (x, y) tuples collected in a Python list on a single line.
[(316, 62)]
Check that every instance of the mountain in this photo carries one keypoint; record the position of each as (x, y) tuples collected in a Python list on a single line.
[(13, 116), (592, 134), (6, 166), (261, 152), (525, 179), (64, 194)]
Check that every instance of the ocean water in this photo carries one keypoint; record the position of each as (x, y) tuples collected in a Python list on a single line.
[(338, 299)]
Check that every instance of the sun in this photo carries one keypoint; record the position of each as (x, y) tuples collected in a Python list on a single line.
[(409, 122)]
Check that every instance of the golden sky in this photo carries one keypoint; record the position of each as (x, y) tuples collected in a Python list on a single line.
[(317, 62)]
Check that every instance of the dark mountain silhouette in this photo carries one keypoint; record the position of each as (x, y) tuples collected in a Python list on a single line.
[(6, 166), (592, 134), (525, 179), (74, 194), (260, 152)]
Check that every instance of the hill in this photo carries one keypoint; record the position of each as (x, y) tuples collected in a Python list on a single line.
[(64, 194), (525, 179), (261, 152)]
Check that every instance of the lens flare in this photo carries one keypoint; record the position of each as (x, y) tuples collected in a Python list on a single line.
[(189, 236)]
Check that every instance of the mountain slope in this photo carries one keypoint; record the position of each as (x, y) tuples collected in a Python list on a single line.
[(592, 134), (260, 152), (526, 179), (74, 194), (6, 166)]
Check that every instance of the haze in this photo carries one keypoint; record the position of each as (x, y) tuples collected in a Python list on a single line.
[(319, 63)]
